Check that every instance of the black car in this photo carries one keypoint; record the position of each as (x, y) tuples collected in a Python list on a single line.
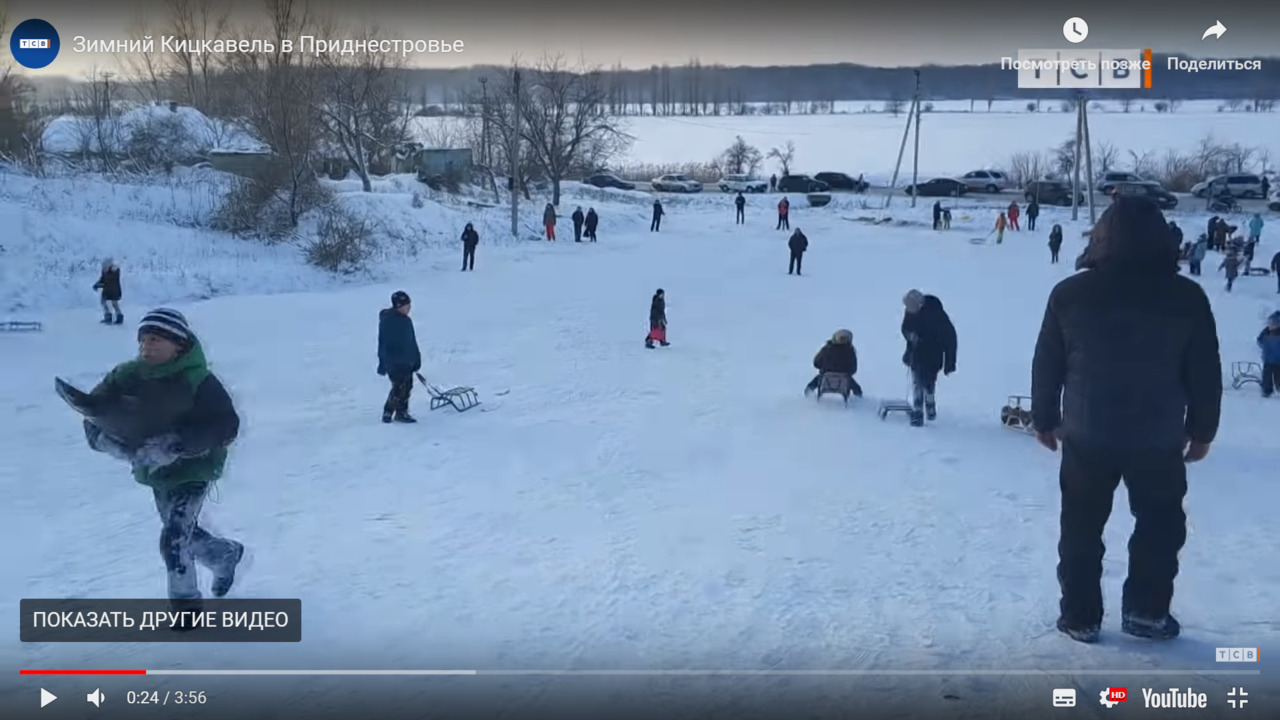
[(1052, 192), (605, 180), (840, 181), (1163, 198), (938, 187), (801, 184)]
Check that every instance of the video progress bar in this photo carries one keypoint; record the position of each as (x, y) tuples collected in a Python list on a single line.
[(693, 673)]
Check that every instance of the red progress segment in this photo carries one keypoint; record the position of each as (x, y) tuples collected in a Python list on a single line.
[(82, 672)]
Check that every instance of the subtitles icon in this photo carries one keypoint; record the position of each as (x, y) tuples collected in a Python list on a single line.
[(1064, 697), (1113, 696)]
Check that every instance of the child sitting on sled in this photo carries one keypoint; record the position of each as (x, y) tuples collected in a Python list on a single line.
[(837, 356)]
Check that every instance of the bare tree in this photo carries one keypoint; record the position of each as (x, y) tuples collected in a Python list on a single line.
[(1143, 164), (1025, 167), (144, 68), (740, 158), (1105, 155), (1126, 102), (192, 22), (893, 106), (785, 155), (1234, 104), (363, 105), (1237, 158)]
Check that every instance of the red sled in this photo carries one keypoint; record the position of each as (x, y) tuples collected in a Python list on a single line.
[(657, 334)]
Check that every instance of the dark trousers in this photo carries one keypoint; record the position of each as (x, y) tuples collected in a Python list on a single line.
[(1270, 379), (1053, 255), (468, 257), (924, 385), (784, 223), (937, 222), (656, 224), (591, 233), (742, 216), (1156, 481), (183, 542), (794, 265), (1231, 281), (577, 232), (1031, 222), (1193, 266), (398, 398)]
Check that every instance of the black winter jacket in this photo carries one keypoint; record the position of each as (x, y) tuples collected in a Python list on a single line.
[(470, 238), (1128, 354), (798, 242), (578, 218), (931, 338), (109, 284), (592, 220), (836, 358), (397, 344), (658, 311)]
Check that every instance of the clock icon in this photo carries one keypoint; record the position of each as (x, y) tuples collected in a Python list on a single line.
[(1075, 30)]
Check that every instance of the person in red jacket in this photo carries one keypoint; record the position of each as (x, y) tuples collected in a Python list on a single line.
[(1013, 215), (784, 210)]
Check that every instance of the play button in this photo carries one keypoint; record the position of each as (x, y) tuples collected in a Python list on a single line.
[(46, 697)]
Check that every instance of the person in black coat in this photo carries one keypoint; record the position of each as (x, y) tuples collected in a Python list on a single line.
[(1127, 377), (1275, 270), (109, 284), (931, 348), (1055, 243), (657, 320), (592, 221), (470, 239), (837, 356), (656, 224), (398, 356), (1175, 234), (1033, 212), (798, 245), (578, 219), (740, 203), (937, 214)]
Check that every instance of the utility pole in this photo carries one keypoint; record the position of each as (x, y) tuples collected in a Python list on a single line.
[(484, 120), (913, 117), (1075, 160), (1088, 157), (915, 160), (106, 86), (513, 157)]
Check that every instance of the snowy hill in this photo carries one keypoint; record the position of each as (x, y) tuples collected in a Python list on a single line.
[(620, 508)]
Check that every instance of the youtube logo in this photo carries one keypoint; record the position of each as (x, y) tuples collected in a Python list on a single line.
[(1113, 695)]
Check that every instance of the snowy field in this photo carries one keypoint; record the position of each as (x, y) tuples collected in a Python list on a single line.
[(682, 508)]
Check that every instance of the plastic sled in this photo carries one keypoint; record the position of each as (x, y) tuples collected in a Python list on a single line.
[(835, 384), (1017, 417), (1243, 373), (459, 398), (893, 406), (21, 326)]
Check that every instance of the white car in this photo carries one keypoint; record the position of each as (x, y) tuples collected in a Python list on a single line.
[(743, 183), (1274, 202), (676, 183), (1244, 185), (989, 181)]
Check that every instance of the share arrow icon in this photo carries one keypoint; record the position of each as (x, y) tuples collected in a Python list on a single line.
[(1216, 31)]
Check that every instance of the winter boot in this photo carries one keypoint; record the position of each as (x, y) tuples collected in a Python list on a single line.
[(1087, 634), (226, 577), (404, 417), (648, 343), (119, 319), (917, 418), (664, 343), (1165, 628), (930, 409), (107, 319), (386, 416)]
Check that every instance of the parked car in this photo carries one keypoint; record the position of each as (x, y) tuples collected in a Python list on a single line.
[(801, 184), (607, 180), (676, 183), (841, 181), (1108, 181), (743, 183), (1052, 192), (1147, 188), (1245, 185), (1274, 202), (938, 187), (991, 181)]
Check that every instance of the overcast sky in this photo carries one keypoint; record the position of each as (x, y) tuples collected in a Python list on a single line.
[(745, 32)]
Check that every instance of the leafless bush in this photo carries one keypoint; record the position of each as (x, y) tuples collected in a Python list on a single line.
[(1105, 155), (158, 143), (894, 107), (1024, 167), (263, 205), (1177, 172), (417, 202), (644, 172), (344, 242)]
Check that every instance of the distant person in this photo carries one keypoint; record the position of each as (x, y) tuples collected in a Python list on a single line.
[(549, 222), (1013, 215), (1266, 187), (657, 320), (937, 214), (1269, 343), (773, 182), (798, 244), (578, 219), (1128, 379), (784, 214), (1199, 249), (656, 224), (1275, 270), (186, 456), (1033, 212), (861, 184), (1055, 243), (1249, 247), (836, 356), (1212, 232), (931, 348), (592, 222), (398, 357), (109, 285), (1175, 232), (1255, 227), (470, 239), (740, 203), (1231, 264), (999, 229), (946, 218)]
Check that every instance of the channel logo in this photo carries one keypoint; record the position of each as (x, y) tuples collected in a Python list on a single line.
[(1113, 696), (34, 44)]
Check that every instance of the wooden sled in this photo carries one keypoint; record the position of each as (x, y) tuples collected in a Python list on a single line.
[(1243, 373), (1016, 417), (893, 406), (21, 326), (835, 384), (459, 398)]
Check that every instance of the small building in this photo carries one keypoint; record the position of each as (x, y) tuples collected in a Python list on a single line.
[(443, 161), (245, 164)]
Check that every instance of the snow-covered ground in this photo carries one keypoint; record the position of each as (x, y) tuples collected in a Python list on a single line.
[(683, 508)]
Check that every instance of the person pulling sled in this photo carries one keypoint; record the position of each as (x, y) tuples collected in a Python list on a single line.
[(931, 348), (398, 356), (657, 321), (837, 356)]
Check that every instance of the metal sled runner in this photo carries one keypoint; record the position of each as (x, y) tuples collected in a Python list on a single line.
[(1243, 373), (894, 406), (459, 398), (1016, 417), (20, 326), (835, 384)]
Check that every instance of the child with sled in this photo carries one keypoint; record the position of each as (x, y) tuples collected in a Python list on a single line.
[(836, 356)]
